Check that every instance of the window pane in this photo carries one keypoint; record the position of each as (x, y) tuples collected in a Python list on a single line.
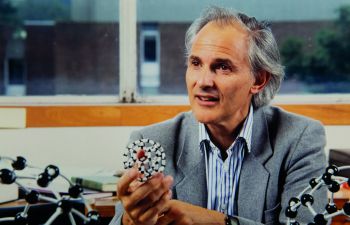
[(66, 46), (16, 71), (150, 49), (313, 40), (71, 46)]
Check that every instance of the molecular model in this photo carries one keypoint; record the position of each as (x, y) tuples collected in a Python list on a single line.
[(331, 179), (64, 204), (148, 155)]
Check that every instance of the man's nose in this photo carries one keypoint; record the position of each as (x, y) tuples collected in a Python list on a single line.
[(206, 79)]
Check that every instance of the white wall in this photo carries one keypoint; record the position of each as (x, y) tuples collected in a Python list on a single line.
[(96, 148), (338, 137), (81, 148)]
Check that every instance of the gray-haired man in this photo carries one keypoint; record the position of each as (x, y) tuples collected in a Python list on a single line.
[(232, 159)]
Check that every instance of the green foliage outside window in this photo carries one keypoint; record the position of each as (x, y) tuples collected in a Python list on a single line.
[(329, 60)]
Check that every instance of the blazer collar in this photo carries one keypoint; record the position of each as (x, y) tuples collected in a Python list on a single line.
[(254, 176), (261, 145), (190, 180)]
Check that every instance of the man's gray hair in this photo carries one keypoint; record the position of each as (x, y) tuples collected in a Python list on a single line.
[(263, 51)]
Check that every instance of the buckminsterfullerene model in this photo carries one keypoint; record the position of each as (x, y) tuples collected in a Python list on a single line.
[(147, 155), (64, 203), (333, 181)]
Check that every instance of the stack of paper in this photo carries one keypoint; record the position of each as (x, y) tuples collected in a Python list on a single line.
[(97, 182)]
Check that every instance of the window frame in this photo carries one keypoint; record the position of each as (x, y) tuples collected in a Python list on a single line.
[(106, 110)]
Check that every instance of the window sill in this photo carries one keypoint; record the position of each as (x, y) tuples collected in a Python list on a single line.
[(69, 111)]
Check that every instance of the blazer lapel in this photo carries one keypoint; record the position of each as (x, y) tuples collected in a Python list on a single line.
[(190, 180), (254, 177)]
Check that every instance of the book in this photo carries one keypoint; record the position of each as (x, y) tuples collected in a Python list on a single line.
[(99, 183), (8, 192)]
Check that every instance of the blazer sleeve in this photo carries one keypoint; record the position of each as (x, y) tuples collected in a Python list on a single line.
[(119, 209), (306, 160)]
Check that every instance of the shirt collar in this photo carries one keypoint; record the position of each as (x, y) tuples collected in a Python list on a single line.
[(245, 132)]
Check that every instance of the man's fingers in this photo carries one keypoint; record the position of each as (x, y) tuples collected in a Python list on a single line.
[(164, 187), (125, 180), (146, 188), (138, 208), (145, 198), (134, 185), (157, 208)]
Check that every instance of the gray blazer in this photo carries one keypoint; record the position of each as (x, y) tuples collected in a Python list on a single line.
[(287, 151)]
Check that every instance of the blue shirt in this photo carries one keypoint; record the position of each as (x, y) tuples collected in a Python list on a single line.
[(223, 176)]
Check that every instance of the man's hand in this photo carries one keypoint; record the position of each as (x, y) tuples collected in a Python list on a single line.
[(143, 202), (181, 213)]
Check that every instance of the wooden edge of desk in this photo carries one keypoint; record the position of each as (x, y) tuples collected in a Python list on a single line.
[(105, 206), (141, 115)]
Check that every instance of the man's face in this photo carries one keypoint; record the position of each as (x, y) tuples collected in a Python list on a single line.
[(219, 80)]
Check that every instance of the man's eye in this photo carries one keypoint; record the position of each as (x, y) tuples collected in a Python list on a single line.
[(195, 63), (224, 67)]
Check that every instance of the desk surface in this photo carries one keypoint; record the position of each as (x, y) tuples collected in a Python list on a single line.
[(106, 206)]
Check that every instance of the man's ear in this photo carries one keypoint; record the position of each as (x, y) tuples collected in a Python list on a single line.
[(260, 81)]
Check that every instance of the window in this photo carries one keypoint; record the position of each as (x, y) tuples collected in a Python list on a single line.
[(312, 39), (15, 84), (67, 47), (71, 47), (150, 47), (149, 59)]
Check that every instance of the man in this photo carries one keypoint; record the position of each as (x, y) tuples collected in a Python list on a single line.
[(233, 159)]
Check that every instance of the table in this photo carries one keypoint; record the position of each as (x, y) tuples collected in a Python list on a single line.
[(104, 206)]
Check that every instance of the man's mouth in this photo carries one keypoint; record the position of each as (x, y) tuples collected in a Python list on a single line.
[(208, 99)]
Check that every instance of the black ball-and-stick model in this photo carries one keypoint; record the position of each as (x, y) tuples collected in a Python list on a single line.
[(64, 203), (148, 155), (332, 180)]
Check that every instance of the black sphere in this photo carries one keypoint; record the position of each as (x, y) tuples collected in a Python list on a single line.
[(306, 198), (20, 163), (94, 218), (334, 187), (43, 180), (332, 169), (313, 182), (327, 178), (320, 220), (346, 208), (32, 197), (20, 220), (52, 171), (75, 191), (65, 205), (7, 176), (293, 201), (331, 208), (290, 213)]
